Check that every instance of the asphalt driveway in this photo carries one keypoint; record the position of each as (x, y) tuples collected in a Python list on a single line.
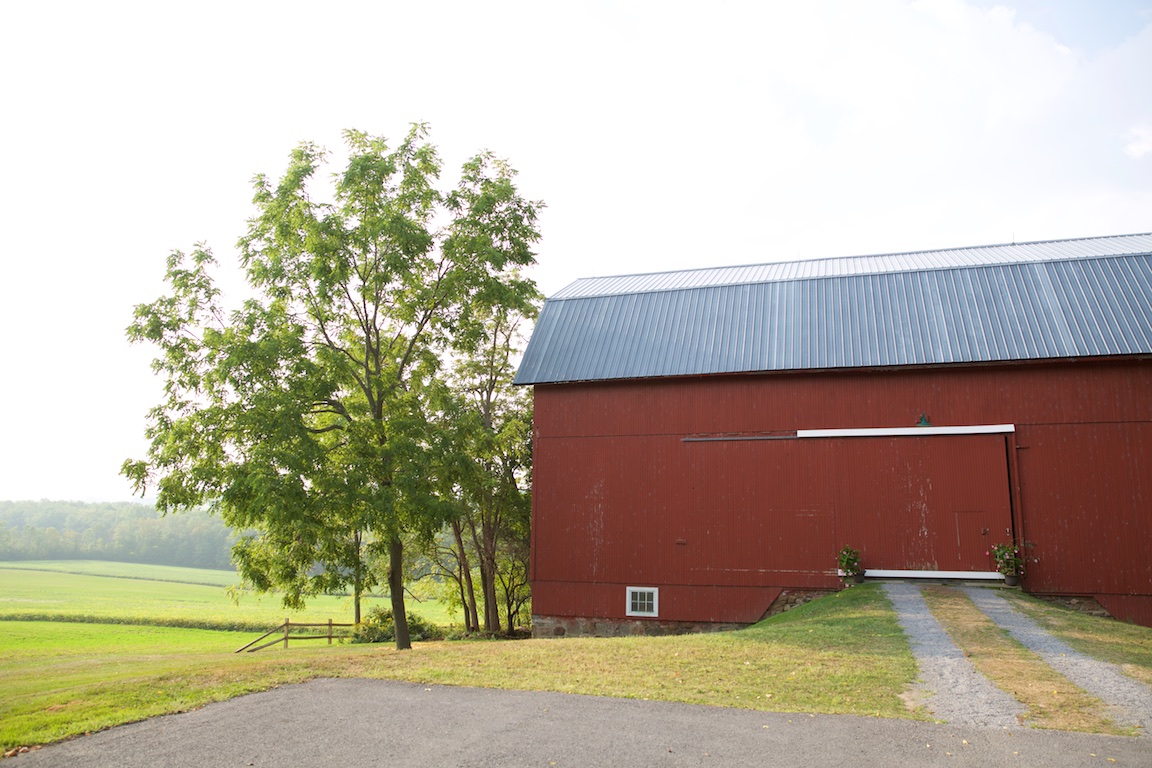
[(380, 723)]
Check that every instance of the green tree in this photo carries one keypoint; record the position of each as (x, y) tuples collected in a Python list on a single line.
[(302, 416), (485, 437)]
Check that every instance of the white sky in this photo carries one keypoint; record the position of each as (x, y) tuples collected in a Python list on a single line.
[(661, 135)]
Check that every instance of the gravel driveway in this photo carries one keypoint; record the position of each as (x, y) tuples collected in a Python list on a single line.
[(954, 691), (950, 687), (1130, 700)]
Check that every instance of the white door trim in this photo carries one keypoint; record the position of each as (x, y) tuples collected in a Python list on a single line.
[(977, 429), (876, 573)]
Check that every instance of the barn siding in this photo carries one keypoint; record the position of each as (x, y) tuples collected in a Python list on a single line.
[(1087, 497), (620, 499), (1030, 394)]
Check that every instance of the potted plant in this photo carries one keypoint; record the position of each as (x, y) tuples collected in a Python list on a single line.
[(850, 567), (1008, 562)]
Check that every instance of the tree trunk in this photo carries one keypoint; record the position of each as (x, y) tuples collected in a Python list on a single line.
[(471, 617), (491, 534), (357, 578), (484, 540), (511, 583), (396, 587), (491, 604)]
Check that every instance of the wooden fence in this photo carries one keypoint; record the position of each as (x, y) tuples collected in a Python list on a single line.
[(284, 634)]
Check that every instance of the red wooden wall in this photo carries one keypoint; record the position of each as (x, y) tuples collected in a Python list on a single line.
[(622, 498)]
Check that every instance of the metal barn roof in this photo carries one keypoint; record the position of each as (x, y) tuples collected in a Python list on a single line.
[(1027, 301)]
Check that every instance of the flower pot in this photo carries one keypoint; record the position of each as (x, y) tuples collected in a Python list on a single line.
[(858, 578), (1011, 580)]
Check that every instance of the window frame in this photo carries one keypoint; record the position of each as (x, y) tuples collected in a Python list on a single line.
[(628, 602)]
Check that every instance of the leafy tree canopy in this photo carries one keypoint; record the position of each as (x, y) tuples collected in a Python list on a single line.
[(484, 442), (303, 415)]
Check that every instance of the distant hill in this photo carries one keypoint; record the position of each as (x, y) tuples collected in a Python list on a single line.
[(121, 531)]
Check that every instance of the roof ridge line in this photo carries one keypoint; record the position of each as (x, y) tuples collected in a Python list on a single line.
[(849, 258), (991, 245), (864, 256)]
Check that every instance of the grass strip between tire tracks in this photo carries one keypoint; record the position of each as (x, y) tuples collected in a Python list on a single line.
[(1052, 700), (1129, 646)]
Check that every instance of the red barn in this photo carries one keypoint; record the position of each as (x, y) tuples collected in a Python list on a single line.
[(706, 441)]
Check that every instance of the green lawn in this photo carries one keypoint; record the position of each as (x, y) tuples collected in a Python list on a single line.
[(66, 679), (161, 595), (841, 654)]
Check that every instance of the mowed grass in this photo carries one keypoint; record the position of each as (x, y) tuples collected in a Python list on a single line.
[(844, 653), (128, 593), (67, 679), (841, 654)]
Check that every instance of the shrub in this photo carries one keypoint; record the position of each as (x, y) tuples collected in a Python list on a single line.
[(379, 628)]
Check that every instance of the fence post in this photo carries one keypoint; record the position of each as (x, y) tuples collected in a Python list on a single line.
[(329, 631), (287, 629)]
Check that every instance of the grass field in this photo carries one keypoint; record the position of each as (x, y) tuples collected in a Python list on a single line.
[(65, 679), (841, 654), (138, 571), (79, 590)]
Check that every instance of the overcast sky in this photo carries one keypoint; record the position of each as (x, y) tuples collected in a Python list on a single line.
[(661, 135)]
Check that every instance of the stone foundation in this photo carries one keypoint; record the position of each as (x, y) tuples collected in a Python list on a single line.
[(790, 598), (575, 626), (1083, 603)]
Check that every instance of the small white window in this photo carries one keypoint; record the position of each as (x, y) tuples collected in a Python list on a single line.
[(643, 601)]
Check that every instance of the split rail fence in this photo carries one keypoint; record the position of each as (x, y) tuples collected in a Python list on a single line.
[(284, 634)]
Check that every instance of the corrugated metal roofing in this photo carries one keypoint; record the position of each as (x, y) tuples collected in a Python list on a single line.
[(1029, 301), (976, 256)]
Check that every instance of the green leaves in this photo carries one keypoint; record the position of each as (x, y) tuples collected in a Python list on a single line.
[(303, 415), (483, 453)]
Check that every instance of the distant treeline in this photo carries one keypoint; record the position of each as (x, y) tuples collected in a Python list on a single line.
[(124, 531)]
